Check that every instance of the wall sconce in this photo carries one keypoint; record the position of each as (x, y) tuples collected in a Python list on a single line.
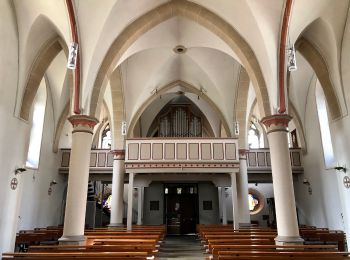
[(53, 182), (306, 182), (72, 57), (123, 128), (19, 170), (236, 128), (339, 168), (292, 62), (202, 91)]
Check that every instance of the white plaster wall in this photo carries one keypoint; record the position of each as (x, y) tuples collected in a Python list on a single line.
[(38, 209), (322, 208), (13, 131)]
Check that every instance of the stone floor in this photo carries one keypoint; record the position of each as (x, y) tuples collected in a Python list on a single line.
[(181, 247)]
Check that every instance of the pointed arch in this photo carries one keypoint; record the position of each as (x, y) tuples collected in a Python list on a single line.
[(241, 106), (45, 56), (118, 109), (319, 65), (189, 88), (198, 14)]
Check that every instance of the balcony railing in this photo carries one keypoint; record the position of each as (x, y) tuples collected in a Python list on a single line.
[(201, 153), (259, 160), (189, 150)]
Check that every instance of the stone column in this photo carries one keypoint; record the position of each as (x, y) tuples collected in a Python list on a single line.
[(287, 224), (234, 201), (74, 220), (139, 205), (130, 197), (242, 189), (117, 207), (223, 206)]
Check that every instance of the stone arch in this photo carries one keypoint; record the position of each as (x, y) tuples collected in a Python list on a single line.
[(45, 56), (319, 65), (118, 109), (241, 106), (189, 88), (196, 13), (59, 127)]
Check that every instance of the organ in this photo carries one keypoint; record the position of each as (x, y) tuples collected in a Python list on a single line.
[(180, 121)]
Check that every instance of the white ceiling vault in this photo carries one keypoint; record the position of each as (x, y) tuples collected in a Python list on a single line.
[(150, 62)]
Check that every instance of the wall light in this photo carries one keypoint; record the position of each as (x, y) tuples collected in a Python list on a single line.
[(292, 62), (306, 182)]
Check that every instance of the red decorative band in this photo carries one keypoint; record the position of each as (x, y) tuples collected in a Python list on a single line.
[(118, 154), (282, 56), (82, 120), (180, 165), (277, 120)]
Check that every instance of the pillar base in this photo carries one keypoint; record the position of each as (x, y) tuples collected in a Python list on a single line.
[(115, 226), (72, 240), (287, 240)]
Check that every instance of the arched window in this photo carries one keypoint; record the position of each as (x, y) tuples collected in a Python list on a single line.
[(253, 137), (106, 140), (36, 131), (324, 126)]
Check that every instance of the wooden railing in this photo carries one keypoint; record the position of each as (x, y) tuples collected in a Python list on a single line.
[(99, 158), (190, 150), (259, 159), (185, 151)]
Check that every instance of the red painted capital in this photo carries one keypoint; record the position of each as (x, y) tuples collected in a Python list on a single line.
[(243, 154), (83, 123), (118, 154), (276, 120)]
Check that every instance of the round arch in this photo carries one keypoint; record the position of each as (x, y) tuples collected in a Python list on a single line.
[(196, 13)]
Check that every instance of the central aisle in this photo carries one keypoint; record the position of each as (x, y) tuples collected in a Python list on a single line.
[(181, 247)]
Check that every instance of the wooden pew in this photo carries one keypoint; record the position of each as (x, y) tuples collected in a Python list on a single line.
[(77, 255), (291, 254), (214, 248)]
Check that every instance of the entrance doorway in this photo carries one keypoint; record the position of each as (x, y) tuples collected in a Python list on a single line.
[(181, 208)]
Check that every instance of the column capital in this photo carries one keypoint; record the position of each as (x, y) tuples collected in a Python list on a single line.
[(277, 122), (118, 154), (243, 154), (83, 123)]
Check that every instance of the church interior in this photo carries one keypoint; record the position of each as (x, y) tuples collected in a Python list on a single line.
[(222, 125)]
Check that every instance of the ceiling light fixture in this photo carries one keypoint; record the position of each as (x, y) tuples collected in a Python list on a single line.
[(180, 49), (292, 62)]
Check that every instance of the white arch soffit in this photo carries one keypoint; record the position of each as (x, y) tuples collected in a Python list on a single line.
[(165, 89)]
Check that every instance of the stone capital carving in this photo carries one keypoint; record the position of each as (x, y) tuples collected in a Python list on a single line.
[(243, 154), (83, 123), (118, 154), (275, 123)]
